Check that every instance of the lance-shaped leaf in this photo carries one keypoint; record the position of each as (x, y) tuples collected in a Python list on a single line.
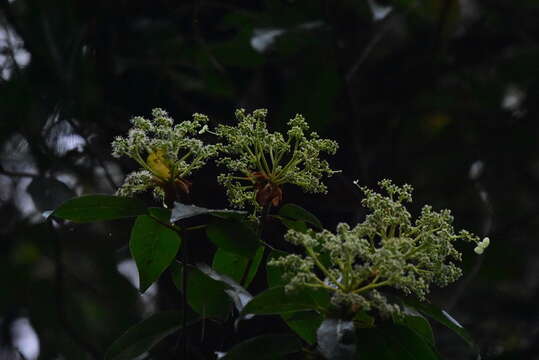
[(443, 318), (416, 322), (237, 293), (277, 301), (153, 246), (90, 208), (205, 295), (304, 323), (235, 266), (296, 212), (183, 211)]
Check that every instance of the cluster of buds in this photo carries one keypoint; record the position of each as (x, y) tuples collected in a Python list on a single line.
[(387, 249), (167, 153), (261, 162)]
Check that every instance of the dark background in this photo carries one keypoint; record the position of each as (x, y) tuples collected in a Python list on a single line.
[(440, 94)]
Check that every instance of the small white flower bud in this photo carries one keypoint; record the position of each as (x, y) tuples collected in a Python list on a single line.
[(203, 130), (479, 250)]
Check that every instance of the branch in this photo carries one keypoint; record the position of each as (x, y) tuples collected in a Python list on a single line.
[(263, 218), (17, 173)]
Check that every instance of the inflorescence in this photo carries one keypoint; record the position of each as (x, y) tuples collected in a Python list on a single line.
[(385, 250), (167, 153), (261, 162)]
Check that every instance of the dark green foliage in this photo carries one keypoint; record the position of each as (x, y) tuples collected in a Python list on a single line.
[(233, 236), (91, 208), (297, 213), (276, 301), (234, 265), (443, 318), (394, 342), (207, 296), (265, 347), (153, 246), (141, 337)]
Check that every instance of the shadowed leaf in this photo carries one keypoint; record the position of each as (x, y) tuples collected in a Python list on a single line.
[(90, 208)]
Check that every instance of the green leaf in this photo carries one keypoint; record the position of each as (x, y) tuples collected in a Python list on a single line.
[(153, 246), (182, 211), (395, 342), (277, 301), (304, 323), (296, 212), (233, 236), (229, 264), (239, 295), (443, 318), (296, 225), (418, 323), (207, 296), (161, 214), (264, 347), (253, 269), (143, 336), (90, 208), (234, 266)]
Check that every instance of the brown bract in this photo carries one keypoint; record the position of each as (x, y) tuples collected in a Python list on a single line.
[(177, 190), (266, 191)]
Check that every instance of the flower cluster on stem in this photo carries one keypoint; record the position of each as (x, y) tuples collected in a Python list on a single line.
[(167, 153), (260, 162), (387, 249)]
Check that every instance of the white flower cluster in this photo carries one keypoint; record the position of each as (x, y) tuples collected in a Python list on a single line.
[(388, 249), (260, 162), (166, 152)]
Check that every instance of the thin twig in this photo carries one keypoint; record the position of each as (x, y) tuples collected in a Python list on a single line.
[(263, 219), (17, 174)]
